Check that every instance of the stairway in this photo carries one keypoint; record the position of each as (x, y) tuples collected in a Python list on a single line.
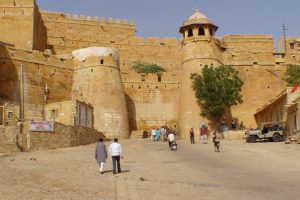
[(138, 134)]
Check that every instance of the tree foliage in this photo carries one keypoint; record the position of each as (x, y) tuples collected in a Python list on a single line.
[(147, 68), (292, 74), (216, 89)]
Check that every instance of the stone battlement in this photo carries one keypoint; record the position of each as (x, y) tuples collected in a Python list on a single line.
[(61, 17)]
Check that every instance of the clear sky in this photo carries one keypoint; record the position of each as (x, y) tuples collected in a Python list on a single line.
[(162, 18)]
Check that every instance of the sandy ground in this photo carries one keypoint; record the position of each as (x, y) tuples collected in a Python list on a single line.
[(151, 171)]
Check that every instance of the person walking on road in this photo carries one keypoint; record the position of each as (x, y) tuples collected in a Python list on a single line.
[(171, 138), (153, 134), (115, 152), (158, 133), (192, 136), (203, 134), (101, 154)]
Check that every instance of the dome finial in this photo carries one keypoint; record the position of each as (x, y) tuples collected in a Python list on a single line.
[(197, 9)]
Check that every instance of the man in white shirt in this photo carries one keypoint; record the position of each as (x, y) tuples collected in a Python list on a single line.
[(171, 138), (115, 152), (153, 134)]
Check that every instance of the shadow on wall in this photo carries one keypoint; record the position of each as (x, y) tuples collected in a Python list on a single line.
[(216, 126), (131, 112), (9, 79)]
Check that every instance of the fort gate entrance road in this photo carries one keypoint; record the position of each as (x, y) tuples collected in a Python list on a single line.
[(152, 171)]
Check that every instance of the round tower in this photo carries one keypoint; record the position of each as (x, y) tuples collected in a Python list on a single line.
[(97, 81), (200, 48)]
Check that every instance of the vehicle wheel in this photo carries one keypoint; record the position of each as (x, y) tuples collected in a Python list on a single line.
[(252, 139), (276, 138)]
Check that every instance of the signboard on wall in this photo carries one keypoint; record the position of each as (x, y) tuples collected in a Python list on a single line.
[(41, 126)]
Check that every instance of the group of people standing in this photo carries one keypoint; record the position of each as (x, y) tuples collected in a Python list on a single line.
[(115, 151), (161, 134), (164, 134), (203, 131)]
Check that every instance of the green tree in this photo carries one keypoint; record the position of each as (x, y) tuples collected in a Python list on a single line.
[(217, 89), (292, 74), (146, 68)]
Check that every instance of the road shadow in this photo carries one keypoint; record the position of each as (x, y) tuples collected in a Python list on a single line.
[(123, 171)]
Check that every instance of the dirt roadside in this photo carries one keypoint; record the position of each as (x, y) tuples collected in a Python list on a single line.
[(152, 171)]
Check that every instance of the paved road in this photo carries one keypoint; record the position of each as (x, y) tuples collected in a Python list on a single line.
[(240, 171)]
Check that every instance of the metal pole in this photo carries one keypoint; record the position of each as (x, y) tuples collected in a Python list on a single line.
[(284, 37), (22, 93)]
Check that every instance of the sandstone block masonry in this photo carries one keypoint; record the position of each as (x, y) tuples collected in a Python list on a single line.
[(97, 81), (39, 74)]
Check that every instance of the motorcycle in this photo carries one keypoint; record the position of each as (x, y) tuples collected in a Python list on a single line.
[(174, 146)]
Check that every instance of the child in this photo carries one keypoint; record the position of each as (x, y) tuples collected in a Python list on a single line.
[(216, 142)]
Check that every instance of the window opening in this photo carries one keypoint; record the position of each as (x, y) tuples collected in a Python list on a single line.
[(190, 33), (201, 31)]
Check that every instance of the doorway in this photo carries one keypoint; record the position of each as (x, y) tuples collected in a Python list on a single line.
[(1, 115)]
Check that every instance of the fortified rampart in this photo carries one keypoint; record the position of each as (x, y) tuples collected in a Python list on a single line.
[(97, 81), (24, 16), (153, 102), (248, 50), (54, 86), (29, 74)]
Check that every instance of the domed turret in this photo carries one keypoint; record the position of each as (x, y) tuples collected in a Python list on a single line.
[(198, 25), (200, 48)]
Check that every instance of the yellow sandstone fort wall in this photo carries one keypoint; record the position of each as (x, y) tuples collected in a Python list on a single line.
[(97, 81), (253, 56), (152, 104), (28, 86), (21, 24), (148, 103)]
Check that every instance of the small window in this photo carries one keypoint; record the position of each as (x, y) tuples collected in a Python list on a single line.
[(201, 31), (298, 44), (211, 32), (143, 77), (292, 45), (54, 113), (101, 61), (190, 33), (159, 77), (92, 70), (10, 115), (162, 44)]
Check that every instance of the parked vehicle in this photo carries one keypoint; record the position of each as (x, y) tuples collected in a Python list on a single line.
[(271, 131)]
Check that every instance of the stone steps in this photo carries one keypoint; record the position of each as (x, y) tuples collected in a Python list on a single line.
[(137, 134)]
